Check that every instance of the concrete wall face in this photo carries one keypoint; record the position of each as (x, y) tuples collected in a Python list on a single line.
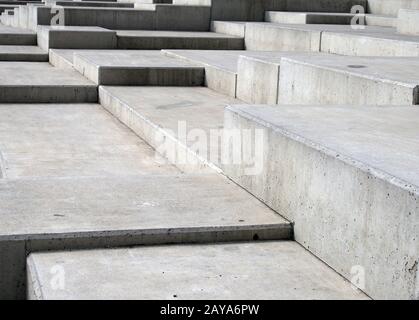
[(391, 7), (355, 222)]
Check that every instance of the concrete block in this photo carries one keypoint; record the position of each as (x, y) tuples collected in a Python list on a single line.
[(160, 115), (79, 213), (16, 36), (330, 79), (347, 177), (67, 37), (341, 6), (182, 18), (31, 82), (234, 28), (384, 43), (22, 53), (222, 271), (156, 40), (408, 22), (137, 68), (391, 7), (380, 20), (308, 17), (61, 58), (276, 37), (106, 4)]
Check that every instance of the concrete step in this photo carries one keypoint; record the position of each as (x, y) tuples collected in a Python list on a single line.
[(132, 67), (263, 270), (370, 155), (68, 37), (381, 20), (106, 4), (221, 67), (308, 17), (179, 123), (160, 17), (385, 42), (408, 22), (331, 79), (31, 82), (391, 7), (44, 140), (23, 53), (16, 36), (88, 213), (156, 40), (234, 28)]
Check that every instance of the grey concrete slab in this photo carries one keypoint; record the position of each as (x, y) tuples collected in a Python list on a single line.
[(68, 37), (391, 7), (379, 42), (167, 118), (22, 53), (108, 4), (332, 79), (100, 212), (16, 36), (234, 28), (308, 17), (50, 140), (156, 40), (370, 155), (408, 22), (264, 270), (31, 82), (381, 20), (131, 67)]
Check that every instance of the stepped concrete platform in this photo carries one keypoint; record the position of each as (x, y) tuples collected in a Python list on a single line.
[(408, 22), (16, 36), (370, 42), (331, 79), (160, 115), (23, 53), (87, 213), (137, 68), (31, 82), (156, 40), (221, 67), (287, 17), (210, 272), (67, 37), (370, 155), (160, 17), (50, 140)]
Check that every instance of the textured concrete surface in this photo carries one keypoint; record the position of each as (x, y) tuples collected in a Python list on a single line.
[(308, 17), (156, 40), (22, 53), (368, 154), (224, 271), (332, 79), (16, 36), (137, 68), (157, 112), (50, 140), (408, 22), (40, 82)]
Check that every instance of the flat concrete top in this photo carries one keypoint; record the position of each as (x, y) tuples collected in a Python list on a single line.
[(68, 54), (323, 27), (172, 34), (132, 58), (74, 28), (10, 30), (392, 69), (21, 50), (128, 205), (261, 270), (222, 59), (59, 140), (39, 74), (382, 138)]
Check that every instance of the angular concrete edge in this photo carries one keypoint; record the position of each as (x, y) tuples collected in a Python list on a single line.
[(366, 217)]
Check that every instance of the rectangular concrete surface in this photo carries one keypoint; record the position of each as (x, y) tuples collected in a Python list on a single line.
[(23, 53), (16, 36), (137, 68), (263, 270), (32, 82), (348, 177), (332, 79)]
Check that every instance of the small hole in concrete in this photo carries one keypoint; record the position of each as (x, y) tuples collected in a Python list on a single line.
[(356, 66), (256, 237)]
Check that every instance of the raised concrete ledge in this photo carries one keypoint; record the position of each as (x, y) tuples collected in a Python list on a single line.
[(308, 17), (329, 79), (221, 271), (374, 215), (16, 36), (23, 53), (69, 37), (408, 22), (234, 28), (391, 7), (130, 67), (124, 211)]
